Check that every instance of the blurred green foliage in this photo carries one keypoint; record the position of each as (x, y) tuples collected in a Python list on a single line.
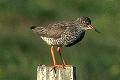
[(97, 57)]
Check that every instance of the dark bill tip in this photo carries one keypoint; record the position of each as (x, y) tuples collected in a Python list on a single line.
[(97, 30)]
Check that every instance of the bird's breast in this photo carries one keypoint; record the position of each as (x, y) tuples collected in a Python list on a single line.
[(68, 38)]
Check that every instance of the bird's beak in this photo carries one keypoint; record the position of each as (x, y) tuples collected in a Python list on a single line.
[(93, 27)]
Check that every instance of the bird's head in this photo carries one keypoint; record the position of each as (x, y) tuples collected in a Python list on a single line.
[(85, 24)]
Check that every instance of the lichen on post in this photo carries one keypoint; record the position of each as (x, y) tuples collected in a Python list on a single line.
[(48, 73)]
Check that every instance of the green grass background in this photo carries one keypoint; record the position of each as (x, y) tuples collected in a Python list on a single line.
[(97, 56)]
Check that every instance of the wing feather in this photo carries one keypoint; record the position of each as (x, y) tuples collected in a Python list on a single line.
[(53, 30)]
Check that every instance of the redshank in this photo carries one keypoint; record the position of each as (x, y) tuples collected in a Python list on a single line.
[(63, 34)]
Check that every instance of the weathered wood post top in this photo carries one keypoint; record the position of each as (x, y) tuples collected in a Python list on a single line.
[(48, 73)]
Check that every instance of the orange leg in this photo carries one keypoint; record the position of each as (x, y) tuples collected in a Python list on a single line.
[(60, 53), (53, 60), (53, 56)]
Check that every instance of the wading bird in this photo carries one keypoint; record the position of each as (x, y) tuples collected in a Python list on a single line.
[(63, 34)]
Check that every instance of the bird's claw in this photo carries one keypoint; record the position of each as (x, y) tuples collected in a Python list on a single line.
[(54, 67), (57, 66)]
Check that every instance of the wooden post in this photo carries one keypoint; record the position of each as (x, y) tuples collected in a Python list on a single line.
[(48, 73)]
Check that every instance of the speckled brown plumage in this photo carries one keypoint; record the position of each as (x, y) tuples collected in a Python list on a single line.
[(63, 34)]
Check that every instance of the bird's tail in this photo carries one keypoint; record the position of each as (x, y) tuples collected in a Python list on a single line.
[(37, 29), (33, 27)]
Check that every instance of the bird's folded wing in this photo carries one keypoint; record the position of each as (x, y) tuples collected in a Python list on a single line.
[(53, 30)]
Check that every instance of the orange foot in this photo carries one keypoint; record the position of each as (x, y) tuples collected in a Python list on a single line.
[(59, 66)]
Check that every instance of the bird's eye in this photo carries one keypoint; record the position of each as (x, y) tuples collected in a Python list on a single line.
[(87, 23)]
